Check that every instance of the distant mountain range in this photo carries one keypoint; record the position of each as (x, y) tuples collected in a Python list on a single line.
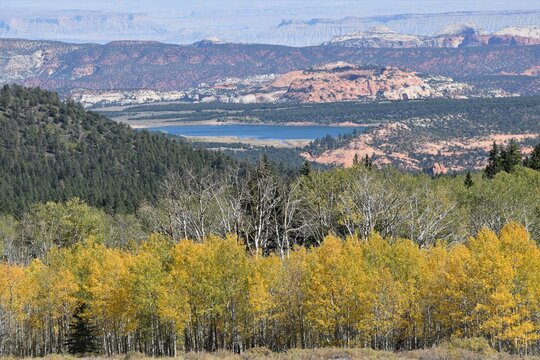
[(101, 27), (316, 31), (131, 65), (460, 35)]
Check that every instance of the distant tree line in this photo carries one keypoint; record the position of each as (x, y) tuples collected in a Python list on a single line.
[(492, 112), (507, 158)]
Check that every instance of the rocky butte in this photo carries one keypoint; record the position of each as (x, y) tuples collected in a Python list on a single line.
[(341, 81)]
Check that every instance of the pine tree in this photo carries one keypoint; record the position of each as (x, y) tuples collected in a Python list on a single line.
[(306, 169), (533, 161), (368, 162), (494, 165), (5, 97), (468, 180), (264, 165), (511, 156), (81, 338), (355, 160)]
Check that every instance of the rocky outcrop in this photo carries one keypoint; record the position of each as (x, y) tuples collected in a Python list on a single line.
[(89, 97), (531, 32), (452, 36), (415, 144), (345, 82), (378, 37), (437, 169)]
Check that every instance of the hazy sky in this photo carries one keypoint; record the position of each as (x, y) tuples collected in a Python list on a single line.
[(190, 20), (272, 10)]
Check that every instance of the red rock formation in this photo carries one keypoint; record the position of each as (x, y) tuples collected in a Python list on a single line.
[(437, 169), (345, 82)]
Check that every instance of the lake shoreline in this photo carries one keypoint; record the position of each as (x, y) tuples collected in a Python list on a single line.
[(156, 124), (278, 143), (278, 135)]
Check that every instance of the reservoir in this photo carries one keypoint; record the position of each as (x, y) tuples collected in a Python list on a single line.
[(259, 132)]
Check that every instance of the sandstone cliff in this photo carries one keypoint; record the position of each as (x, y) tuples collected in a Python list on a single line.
[(345, 82)]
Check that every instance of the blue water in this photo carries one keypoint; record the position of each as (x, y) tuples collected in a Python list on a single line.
[(261, 132)]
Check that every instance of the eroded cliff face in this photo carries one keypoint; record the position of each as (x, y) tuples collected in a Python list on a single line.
[(459, 35), (345, 82)]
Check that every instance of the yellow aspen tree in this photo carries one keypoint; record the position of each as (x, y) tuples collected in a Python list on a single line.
[(491, 277), (336, 292), (217, 284), (432, 295), (173, 303), (52, 296), (107, 285), (291, 298), (457, 306), (326, 287), (524, 255), (14, 297), (409, 267), (263, 283), (388, 300), (146, 283)]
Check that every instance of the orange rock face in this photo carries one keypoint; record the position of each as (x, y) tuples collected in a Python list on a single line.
[(438, 169), (345, 82)]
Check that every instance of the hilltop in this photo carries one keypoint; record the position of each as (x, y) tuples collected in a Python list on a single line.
[(55, 150)]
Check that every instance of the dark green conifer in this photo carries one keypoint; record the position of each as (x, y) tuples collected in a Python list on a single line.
[(494, 165), (306, 169), (368, 162), (533, 160), (81, 338), (468, 180), (355, 160), (511, 156)]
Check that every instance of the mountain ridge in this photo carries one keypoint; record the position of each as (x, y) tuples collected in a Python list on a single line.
[(458, 35), (65, 67)]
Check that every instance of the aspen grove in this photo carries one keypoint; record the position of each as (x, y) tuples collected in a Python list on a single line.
[(160, 297)]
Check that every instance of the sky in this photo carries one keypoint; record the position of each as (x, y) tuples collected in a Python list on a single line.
[(191, 19), (272, 10)]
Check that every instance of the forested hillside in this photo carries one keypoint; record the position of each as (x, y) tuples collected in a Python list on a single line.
[(54, 150)]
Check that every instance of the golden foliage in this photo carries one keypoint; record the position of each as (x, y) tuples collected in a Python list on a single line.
[(342, 293)]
